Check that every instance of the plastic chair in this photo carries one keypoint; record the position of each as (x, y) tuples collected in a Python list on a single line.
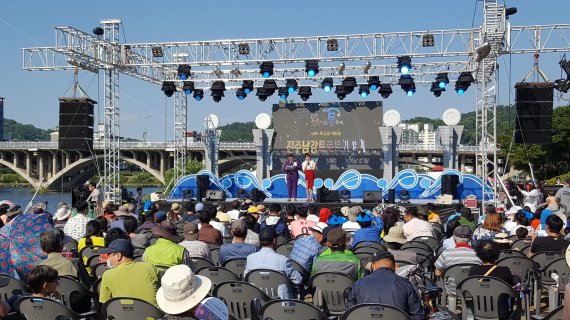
[(417, 244), (457, 273), (237, 266), (374, 311), (285, 249), (98, 270), (217, 275), (432, 242), (281, 240), (525, 250), (10, 286), (562, 270), (200, 262), (520, 266), (239, 297), (413, 247), (520, 244), (335, 287), (215, 253), (34, 308), (74, 295), (480, 295), (88, 252), (213, 246), (438, 228), (369, 250), (510, 253), (369, 244), (304, 273), (268, 281), (129, 308), (556, 314), (289, 309), (364, 257), (546, 257), (71, 246)]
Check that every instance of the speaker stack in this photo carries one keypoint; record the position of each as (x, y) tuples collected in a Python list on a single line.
[(202, 182), (449, 185), (534, 103), (76, 123)]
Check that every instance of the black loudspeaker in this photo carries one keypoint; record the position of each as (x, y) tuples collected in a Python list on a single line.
[(215, 195), (79, 194), (76, 123), (449, 185), (257, 196), (325, 195), (371, 196), (534, 104), (391, 196), (202, 183)]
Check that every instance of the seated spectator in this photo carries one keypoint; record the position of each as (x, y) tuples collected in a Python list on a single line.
[(166, 252), (252, 236), (488, 252), (385, 286), (221, 214), (234, 212), (522, 233), (390, 217), (456, 214), (194, 247), (61, 216), (43, 282), (182, 293), (126, 277), (93, 237), (415, 227), (395, 237), (301, 225), (189, 214), (423, 214), (120, 214), (146, 221), (207, 232), (433, 217), (103, 223), (324, 215), (52, 244), (351, 225), (535, 223), (312, 213), (175, 213), (139, 240), (267, 258), (336, 258), (275, 221), (521, 219), (371, 227), (76, 225), (306, 249), (212, 212), (553, 241), (449, 242), (502, 241), (238, 248), (492, 225), (114, 234), (462, 253), (467, 218)]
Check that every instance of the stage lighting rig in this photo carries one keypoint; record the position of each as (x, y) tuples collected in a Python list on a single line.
[(407, 84), (442, 80), (263, 93), (98, 31), (327, 84), (312, 67), (169, 88), (463, 82), (340, 69), (428, 40), (363, 90), (247, 86), (373, 83), (240, 94), (217, 89), (270, 86), (349, 83), (332, 44), (510, 11), (157, 52), (436, 89), (291, 85), (243, 48), (366, 67), (283, 93), (385, 90), (340, 92), (305, 92), (184, 71), (404, 64), (266, 69), (198, 94), (188, 87)]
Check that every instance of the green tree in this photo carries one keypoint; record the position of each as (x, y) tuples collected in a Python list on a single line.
[(192, 167), (24, 132)]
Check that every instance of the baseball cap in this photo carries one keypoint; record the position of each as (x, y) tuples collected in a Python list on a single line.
[(239, 226), (160, 216), (462, 231), (380, 255), (123, 246), (336, 237), (199, 207), (190, 231)]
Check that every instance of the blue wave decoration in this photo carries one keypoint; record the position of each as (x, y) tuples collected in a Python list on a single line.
[(419, 185)]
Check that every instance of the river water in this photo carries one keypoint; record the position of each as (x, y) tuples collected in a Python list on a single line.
[(22, 196)]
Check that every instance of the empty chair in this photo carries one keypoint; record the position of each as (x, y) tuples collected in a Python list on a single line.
[(432, 242), (374, 311), (10, 286), (420, 251), (237, 266), (334, 287), (239, 298), (200, 262), (449, 279), (217, 275), (129, 308), (35, 308), (289, 309), (482, 297), (285, 249), (273, 283), (369, 244), (510, 253), (74, 295)]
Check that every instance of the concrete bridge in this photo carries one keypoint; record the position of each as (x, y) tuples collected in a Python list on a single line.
[(62, 169)]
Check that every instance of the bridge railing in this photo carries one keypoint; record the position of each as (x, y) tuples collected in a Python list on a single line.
[(99, 145), (435, 148)]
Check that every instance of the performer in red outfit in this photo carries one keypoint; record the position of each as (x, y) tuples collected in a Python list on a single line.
[(309, 166)]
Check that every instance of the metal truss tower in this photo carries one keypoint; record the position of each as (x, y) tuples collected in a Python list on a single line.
[(180, 140)]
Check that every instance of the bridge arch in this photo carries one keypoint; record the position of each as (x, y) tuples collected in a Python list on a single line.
[(20, 172)]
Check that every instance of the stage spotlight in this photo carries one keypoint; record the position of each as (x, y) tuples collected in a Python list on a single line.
[(374, 83), (332, 45), (217, 89), (198, 94), (98, 31), (283, 93), (247, 86), (442, 80), (510, 11), (385, 90), (291, 85), (340, 92), (312, 67), (305, 92), (411, 91), (327, 84), (188, 87), (240, 94), (407, 84), (366, 67), (428, 40), (404, 64), (266, 69), (363, 90), (463, 82), (340, 69), (436, 89), (243, 48), (460, 88), (184, 71), (157, 52), (270, 86), (263, 93), (349, 83), (169, 88)]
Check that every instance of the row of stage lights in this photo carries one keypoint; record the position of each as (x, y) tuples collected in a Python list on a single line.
[(348, 85)]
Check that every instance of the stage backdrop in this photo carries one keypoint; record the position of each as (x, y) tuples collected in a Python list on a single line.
[(421, 186), (339, 136)]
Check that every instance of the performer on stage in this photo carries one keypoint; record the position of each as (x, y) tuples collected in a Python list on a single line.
[(309, 166), (291, 167)]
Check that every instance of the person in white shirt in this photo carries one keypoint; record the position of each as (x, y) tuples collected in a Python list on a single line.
[(530, 196), (234, 213), (415, 227), (309, 166)]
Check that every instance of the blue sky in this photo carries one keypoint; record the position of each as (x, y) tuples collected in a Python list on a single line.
[(31, 97)]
